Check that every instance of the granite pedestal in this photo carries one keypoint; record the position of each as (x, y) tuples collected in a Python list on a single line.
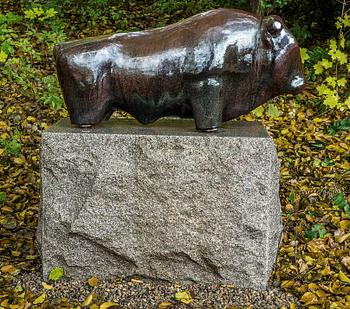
[(161, 202)]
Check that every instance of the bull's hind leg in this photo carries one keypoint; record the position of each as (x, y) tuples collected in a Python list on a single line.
[(206, 103)]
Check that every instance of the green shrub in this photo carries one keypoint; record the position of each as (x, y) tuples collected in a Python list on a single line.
[(333, 70), (12, 146), (25, 43)]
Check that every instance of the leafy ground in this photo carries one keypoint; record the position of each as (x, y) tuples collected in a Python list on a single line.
[(313, 145)]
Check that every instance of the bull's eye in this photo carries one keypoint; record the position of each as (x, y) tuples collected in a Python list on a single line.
[(274, 27)]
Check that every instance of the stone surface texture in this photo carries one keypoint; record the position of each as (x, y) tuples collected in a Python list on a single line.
[(161, 201)]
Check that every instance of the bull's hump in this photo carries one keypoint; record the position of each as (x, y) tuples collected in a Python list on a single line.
[(184, 34)]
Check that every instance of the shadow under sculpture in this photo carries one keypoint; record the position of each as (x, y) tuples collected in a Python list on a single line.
[(214, 67)]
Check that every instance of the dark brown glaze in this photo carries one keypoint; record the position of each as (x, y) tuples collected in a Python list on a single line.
[(214, 67)]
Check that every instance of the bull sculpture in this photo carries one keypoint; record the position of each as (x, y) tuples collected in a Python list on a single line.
[(214, 67)]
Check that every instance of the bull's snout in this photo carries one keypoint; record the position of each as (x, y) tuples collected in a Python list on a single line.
[(297, 84)]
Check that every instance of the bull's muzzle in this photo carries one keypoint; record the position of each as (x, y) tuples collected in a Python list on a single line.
[(297, 84)]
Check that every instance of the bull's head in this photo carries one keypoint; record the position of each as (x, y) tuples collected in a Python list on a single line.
[(284, 53)]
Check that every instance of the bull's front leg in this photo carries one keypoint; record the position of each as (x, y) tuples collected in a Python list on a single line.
[(207, 103)]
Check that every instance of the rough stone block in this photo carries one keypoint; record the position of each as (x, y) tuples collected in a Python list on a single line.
[(161, 201)]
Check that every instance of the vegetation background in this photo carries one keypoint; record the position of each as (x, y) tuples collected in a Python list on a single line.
[(311, 131)]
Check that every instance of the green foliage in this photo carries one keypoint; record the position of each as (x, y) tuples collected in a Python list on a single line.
[(26, 42), (317, 231), (9, 18), (12, 146), (38, 13), (292, 197), (340, 202), (259, 111), (272, 4), (51, 93), (339, 125), (169, 7), (301, 33), (334, 69), (327, 162), (271, 111), (2, 197)]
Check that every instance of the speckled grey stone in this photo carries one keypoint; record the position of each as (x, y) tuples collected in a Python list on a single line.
[(161, 201)]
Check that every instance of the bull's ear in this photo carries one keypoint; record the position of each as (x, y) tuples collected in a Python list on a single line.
[(266, 37), (273, 26)]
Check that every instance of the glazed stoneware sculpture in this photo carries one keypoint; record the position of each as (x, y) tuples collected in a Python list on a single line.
[(214, 67)]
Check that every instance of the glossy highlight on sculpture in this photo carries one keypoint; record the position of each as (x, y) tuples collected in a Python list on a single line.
[(214, 67)]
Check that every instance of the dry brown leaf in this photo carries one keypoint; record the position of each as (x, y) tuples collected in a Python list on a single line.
[(346, 261)]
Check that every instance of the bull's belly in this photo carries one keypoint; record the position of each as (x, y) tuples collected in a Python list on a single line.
[(149, 109), (149, 97)]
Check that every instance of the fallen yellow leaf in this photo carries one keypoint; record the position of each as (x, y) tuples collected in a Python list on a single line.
[(18, 161), (108, 304), (342, 238), (40, 299), (309, 260), (336, 148), (345, 165), (87, 301), (343, 277), (165, 305), (316, 245), (312, 287), (4, 136), (344, 224), (309, 299), (287, 283), (8, 269), (93, 281), (326, 271), (31, 119), (336, 305), (184, 297), (46, 286), (321, 293), (3, 125)]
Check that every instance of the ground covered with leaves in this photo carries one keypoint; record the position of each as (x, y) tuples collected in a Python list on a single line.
[(312, 140)]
